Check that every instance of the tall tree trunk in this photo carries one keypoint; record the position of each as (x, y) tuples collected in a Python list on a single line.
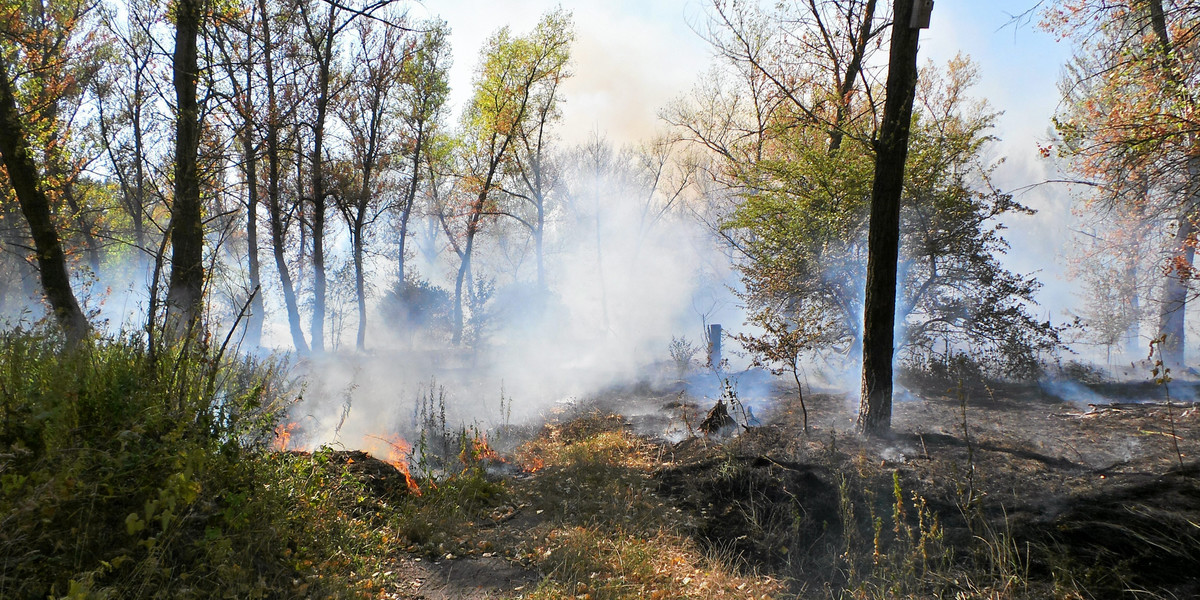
[(274, 203), (186, 285), (360, 289), (1133, 332), (138, 210), (1171, 322), (883, 242), (23, 176), (254, 322), (324, 60), (464, 271), (410, 198), (539, 247), (1175, 289)]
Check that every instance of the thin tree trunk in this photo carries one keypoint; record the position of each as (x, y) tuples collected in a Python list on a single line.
[(410, 198), (254, 322), (1135, 309), (883, 242), (1171, 323), (23, 176), (836, 133), (464, 268), (538, 239), (317, 332), (360, 289), (274, 206), (186, 285)]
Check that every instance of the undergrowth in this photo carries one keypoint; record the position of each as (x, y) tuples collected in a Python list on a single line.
[(130, 475)]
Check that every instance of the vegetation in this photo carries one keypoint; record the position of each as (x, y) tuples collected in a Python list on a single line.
[(155, 463), (1127, 128)]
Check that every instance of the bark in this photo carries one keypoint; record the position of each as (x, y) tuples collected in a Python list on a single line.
[(883, 242), (853, 70), (319, 193), (1175, 290), (464, 268), (274, 203), (410, 198), (1173, 309), (24, 178), (360, 291), (185, 287), (254, 322)]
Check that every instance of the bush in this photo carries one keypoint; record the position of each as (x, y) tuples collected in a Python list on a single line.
[(130, 474), (416, 304)]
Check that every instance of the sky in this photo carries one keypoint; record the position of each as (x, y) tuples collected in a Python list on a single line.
[(633, 57)]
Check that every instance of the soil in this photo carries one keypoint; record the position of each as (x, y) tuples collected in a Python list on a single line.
[(468, 578)]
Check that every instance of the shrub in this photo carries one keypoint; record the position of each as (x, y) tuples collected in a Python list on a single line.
[(129, 474)]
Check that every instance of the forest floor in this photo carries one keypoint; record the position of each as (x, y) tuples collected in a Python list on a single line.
[(989, 491)]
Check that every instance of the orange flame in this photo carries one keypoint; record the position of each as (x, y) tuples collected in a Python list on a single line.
[(478, 450), (283, 436), (393, 450)]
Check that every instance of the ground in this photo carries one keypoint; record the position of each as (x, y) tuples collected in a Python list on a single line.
[(982, 491)]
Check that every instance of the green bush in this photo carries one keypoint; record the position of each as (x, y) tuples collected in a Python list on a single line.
[(126, 473)]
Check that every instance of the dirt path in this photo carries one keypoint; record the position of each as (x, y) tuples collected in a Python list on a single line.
[(470, 578)]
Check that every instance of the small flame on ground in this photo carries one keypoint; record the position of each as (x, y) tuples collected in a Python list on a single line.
[(393, 450), (533, 464), (283, 436), (478, 450)]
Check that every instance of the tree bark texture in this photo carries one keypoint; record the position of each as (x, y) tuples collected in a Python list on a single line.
[(883, 241), (185, 287), (1172, 319)]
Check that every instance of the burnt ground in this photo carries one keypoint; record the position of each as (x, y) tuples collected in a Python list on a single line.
[(1095, 497), (1032, 496)]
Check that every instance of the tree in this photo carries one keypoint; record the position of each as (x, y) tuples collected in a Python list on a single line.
[(280, 214), (127, 127), (23, 176), (319, 35), (240, 61), (368, 115), (883, 243), (424, 91), (185, 290), (534, 174), (1131, 120), (512, 71), (47, 61)]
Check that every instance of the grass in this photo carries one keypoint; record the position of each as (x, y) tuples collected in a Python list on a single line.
[(602, 530), (126, 475)]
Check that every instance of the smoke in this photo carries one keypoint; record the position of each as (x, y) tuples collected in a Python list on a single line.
[(1072, 392), (625, 273)]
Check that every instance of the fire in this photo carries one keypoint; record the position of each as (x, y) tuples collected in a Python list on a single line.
[(283, 436), (393, 450), (478, 450)]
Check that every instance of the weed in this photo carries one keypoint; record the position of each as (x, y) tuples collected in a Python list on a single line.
[(1162, 376), (682, 351)]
